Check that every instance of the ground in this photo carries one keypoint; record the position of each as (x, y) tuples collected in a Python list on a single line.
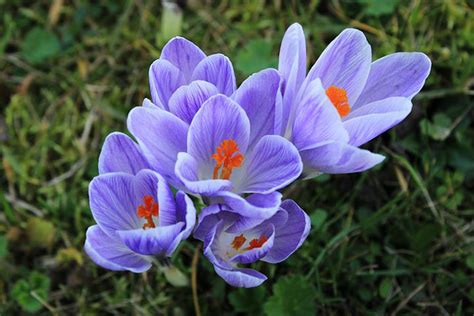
[(395, 240)]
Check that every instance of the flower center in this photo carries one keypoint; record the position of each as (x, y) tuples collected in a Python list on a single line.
[(147, 210), (240, 240), (338, 97), (227, 157)]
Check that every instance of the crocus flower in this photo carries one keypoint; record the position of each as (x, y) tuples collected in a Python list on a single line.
[(183, 71), (229, 147), (272, 241), (138, 219), (345, 100)]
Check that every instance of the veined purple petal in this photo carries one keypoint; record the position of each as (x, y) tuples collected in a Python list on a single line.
[(121, 154), (317, 120), (185, 212), (252, 255), (345, 63), (395, 75), (209, 217), (164, 78), (183, 54), (149, 104), (167, 205), (161, 136), (152, 241), (253, 209), (373, 119), (219, 119), (258, 97), (217, 69), (187, 171), (187, 100), (292, 66), (273, 163), (111, 253), (289, 235), (242, 277), (337, 157)]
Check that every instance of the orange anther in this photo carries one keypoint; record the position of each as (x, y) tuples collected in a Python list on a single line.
[(338, 98), (257, 243), (238, 242), (147, 210), (227, 157)]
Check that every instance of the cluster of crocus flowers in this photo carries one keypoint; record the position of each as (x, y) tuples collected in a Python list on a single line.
[(235, 147)]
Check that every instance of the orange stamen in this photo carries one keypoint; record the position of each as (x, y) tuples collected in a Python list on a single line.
[(147, 210), (238, 242), (257, 243), (338, 97), (227, 157)]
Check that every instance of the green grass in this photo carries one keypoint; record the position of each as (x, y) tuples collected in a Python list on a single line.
[(395, 240)]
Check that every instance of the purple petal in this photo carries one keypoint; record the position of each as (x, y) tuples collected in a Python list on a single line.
[(345, 63), (273, 164), (241, 277), (187, 171), (148, 104), (187, 100), (337, 157), (217, 69), (184, 54), (208, 219), (371, 120), (111, 253), (252, 255), (121, 154), (152, 241), (167, 205), (317, 119), (395, 75), (253, 209), (219, 119), (258, 96), (292, 65), (289, 235), (164, 80), (161, 136), (185, 212)]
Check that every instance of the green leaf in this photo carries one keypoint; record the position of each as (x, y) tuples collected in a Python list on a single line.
[(23, 290), (40, 232), (470, 262), (385, 288), (377, 7), (3, 246), (292, 296), (256, 55), (248, 301), (40, 45), (318, 218)]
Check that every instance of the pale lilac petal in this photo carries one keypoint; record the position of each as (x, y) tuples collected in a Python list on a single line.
[(258, 97), (252, 255), (371, 120), (217, 69), (187, 100), (273, 164), (253, 209), (219, 119), (292, 66), (317, 120), (345, 63), (337, 157), (183, 54), (164, 80), (149, 104), (167, 205), (121, 154), (187, 171), (395, 75), (289, 235), (185, 212), (111, 253), (243, 277), (161, 136), (152, 241), (207, 220)]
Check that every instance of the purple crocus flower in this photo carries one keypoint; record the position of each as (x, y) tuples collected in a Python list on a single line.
[(137, 216), (184, 72), (273, 241), (229, 147), (345, 100)]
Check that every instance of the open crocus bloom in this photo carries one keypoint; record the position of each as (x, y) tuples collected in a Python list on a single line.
[(345, 100), (272, 241), (138, 218), (183, 71)]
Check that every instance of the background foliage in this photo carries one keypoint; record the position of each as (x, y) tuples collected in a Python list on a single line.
[(396, 240)]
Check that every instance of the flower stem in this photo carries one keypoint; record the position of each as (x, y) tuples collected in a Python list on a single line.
[(194, 263)]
